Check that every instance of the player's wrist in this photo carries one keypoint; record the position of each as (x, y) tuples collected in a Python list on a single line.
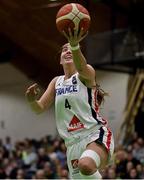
[(74, 48)]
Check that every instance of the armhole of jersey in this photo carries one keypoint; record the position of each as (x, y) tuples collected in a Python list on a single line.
[(58, 80), (77, 75)]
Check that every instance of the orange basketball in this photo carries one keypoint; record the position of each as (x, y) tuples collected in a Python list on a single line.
[(72, 16)]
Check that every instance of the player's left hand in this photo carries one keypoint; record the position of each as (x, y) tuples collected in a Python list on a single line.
[(75, 37)]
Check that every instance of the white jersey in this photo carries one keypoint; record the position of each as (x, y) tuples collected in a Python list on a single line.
[(75, 106)]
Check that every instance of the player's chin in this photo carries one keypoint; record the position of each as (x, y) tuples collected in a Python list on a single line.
[(68, 61)]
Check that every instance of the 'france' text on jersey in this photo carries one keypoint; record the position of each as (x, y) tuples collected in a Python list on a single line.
[(67, 89)]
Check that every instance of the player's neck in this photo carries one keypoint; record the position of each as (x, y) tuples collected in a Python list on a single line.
[(69, 72)]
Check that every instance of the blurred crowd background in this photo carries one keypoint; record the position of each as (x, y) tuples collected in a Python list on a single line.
[(46, 159)]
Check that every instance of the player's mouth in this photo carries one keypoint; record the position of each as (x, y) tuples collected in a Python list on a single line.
[(68, 58)]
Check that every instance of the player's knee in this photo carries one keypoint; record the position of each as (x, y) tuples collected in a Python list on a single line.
[(89, 162), (86, 166)]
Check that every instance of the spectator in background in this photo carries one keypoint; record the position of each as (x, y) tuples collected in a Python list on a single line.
[(49, 171), (133, 174), (45, 142), (29, 157), (42, 157), (61, 154), (39, 174), (20, 174), (111, 174), (8, 144), (132, 159), (64, 174), (138, 150), (121, 161), (2, 172), (129, 166), (11, 163), (13, 169), (140, 171)]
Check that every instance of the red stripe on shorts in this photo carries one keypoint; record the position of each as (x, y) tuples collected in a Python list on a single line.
[(108, 139)]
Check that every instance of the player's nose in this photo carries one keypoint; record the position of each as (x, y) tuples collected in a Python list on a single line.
[(68, 52)]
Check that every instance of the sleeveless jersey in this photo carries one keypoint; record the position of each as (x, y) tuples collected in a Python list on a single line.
[(76, 107)]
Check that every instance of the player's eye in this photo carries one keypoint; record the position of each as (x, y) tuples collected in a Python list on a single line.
[(65, 49)]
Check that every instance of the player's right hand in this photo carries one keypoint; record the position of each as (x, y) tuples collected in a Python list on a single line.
[(32, 92), (76, 37)]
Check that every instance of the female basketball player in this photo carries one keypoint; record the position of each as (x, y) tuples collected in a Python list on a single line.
[(77, 99)]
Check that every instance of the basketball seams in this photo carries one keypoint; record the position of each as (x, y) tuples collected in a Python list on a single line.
[(72, 15), (82, 9), (76, 17), (78, 13), (82, 16), (69, 16)]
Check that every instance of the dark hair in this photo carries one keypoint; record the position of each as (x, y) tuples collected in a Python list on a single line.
[(100, 94)]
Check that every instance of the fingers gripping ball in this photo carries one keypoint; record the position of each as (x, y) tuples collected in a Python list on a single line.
[(72, 16)]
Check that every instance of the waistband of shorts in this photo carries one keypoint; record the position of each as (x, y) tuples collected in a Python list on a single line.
[(82, 135)]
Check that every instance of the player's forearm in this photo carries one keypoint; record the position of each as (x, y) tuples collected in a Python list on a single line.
[(36, 107), (79, 60)]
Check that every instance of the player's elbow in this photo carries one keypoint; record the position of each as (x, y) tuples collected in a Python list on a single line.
[(37, 107), (38, 111)]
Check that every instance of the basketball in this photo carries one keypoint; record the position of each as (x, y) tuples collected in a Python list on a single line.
[(72, 16)]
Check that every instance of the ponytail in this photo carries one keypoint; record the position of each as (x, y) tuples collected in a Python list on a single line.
[(100, 95)]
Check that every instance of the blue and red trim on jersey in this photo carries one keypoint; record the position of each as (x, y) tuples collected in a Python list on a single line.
[(94, 106)]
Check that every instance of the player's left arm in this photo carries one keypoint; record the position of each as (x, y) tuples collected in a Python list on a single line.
[(85, 70)]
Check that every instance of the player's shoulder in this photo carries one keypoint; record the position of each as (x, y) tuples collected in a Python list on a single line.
[(55, 79)]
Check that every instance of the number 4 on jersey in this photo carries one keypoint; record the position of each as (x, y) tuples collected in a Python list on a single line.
[(67, 104)]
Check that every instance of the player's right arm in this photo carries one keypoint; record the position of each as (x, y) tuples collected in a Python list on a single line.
[(45, 101)]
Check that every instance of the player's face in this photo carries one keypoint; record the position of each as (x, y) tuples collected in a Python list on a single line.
[(66, 55)]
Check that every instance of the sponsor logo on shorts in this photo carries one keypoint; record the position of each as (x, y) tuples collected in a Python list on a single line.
[(74, 163)]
